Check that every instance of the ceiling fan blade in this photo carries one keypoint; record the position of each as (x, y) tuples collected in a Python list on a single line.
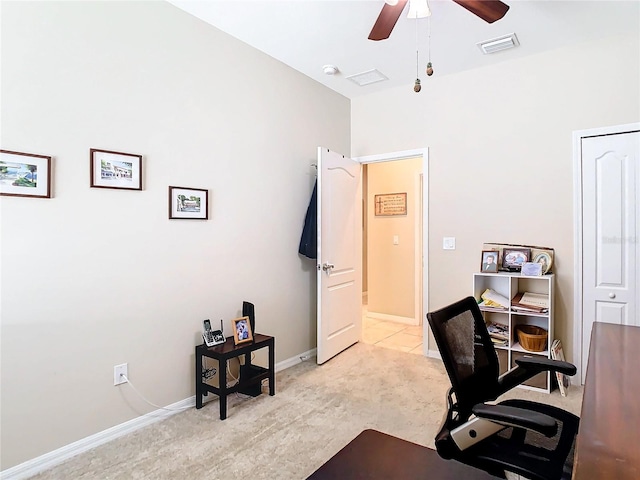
[(488, 10), (387, 20)]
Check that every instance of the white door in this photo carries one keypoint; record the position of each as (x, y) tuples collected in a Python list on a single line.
[(610, 235), (339, 199)]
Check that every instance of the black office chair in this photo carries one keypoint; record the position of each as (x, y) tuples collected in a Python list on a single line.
[(527, 438)]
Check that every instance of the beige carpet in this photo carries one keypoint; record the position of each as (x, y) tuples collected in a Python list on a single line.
[(315, 412)]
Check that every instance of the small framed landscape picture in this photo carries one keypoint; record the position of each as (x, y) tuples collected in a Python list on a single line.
[(531, 269), (115, 170), (241, 330), (489, 261), (24, 174), (514, 258), (188, 203)]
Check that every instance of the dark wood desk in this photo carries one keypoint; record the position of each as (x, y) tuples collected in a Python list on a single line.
[(223, 353), (608, 444), (375, 455)]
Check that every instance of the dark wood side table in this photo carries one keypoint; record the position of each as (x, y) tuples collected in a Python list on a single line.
[(223, 353)]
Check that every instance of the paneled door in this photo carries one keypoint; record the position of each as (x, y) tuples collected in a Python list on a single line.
[(610, 232), (339, 253)]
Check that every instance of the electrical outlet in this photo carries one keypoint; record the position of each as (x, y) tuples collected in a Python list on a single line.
[(118, 371)]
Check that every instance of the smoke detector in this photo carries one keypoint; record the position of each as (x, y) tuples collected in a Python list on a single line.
[(330, 69)]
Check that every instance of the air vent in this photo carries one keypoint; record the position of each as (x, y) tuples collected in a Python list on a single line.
[(368, 77), (498, 44)]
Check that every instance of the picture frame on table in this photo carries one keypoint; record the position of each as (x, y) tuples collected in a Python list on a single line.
[(188, 203), (514, 258), (241, 330), (489, 263), (118, 170), (25, 174)]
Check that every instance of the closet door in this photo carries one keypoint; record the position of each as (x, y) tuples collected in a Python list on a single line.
[(610, 237)]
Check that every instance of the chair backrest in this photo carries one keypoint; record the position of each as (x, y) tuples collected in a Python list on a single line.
[(467, 352)]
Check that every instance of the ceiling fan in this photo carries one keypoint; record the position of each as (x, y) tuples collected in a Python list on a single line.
[(488, 10)]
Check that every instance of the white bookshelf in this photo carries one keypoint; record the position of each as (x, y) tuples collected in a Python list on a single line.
[(508, 285)]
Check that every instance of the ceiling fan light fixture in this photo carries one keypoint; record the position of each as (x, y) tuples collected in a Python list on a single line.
[(498, 44), (418, 9)]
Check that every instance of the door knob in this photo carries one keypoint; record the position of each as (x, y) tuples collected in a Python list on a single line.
[(326, 266), (612, 295)]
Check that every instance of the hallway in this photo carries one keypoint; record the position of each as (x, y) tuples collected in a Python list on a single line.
[(392, 335)]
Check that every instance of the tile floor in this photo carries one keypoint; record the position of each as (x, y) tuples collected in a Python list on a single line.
[(396, 336)]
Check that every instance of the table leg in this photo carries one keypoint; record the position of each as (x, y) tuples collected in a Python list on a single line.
[(198, 379), (272, 369), (222, 370)]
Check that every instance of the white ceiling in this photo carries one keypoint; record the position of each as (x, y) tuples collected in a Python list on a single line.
[(307, 34)]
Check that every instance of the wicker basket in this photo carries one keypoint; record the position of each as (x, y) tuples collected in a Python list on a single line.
[(532, 338)]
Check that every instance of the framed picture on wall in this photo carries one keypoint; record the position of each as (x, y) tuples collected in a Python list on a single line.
[(188, 203), (115, 170), (389, 204), (25, 174)]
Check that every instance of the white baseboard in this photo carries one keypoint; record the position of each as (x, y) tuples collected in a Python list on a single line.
[(393, 318), (49, 460), (434, 354), (290, 362)]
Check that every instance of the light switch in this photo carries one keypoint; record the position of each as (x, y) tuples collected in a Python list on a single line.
[(449, 243), (396, 240)]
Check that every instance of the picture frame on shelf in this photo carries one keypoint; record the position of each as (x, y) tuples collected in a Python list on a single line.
[(117, 170), (489, 263), (531, 269), (188, 203), (545, 260), (25, 174), (535, 251), (241, 330), (514, 258)]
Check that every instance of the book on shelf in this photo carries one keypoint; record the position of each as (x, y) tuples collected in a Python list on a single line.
[(499, 333), (499, 342), (558, 354), (493, 299), (535, 299), (491, 308), (518, 304)]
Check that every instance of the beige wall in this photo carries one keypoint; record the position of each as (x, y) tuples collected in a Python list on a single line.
[(392, 268), (500, 153), (95, 277)]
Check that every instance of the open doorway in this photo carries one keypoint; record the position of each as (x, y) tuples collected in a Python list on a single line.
[(393, 238)]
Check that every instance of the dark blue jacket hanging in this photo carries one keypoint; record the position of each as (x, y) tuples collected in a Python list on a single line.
[(309, 240)]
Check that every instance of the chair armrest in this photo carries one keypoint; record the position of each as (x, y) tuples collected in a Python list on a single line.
[(528, 367), (542, 364), (517, 417)]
